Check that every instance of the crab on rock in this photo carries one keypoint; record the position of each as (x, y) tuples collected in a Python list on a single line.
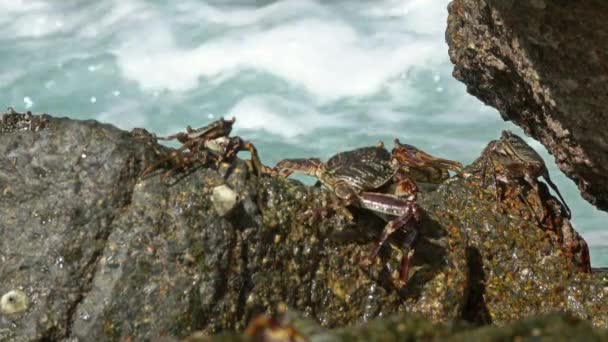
[(211, 142), (510, 158), (358, 177)]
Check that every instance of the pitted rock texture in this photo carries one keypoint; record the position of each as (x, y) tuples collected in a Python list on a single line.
[(101, 254), (406, 327), (544, 65)]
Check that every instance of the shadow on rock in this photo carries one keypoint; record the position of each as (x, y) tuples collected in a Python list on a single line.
[(475, 309)]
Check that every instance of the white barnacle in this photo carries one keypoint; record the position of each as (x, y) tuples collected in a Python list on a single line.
[(14, 302), (224, 199)]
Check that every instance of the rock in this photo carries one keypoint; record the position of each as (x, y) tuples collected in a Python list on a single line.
[(104, 255), (406, 327), (542, 64)]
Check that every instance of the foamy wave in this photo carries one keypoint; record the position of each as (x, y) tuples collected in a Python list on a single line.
[(124, 115), (416, 15), (275, 115), (20, 6), (10, 76), (84, 19), (24, 19), (198, 12), (327, 58)]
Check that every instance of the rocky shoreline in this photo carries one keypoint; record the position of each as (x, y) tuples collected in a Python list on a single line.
[(92, 251), (100, 253)]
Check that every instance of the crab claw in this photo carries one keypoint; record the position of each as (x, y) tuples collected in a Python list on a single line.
[(308, 166), (411, 155)]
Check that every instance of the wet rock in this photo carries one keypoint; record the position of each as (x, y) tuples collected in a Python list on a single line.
[(516, 268), (405, 327), (105, 255), (542, 64)]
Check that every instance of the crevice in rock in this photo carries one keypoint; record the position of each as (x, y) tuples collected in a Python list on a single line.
[(246, 283), (475, 310), (126, 176), (89, 270)]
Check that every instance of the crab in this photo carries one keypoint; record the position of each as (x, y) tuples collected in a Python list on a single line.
[(199, 146), (420, 166), (13, 121), (510, 158), (359, 177), (276, 327)]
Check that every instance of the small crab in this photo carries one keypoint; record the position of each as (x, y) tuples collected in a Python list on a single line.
[(277, 327), (199, 146), (359, 176), (511, 158), (420, 166), (12, 121)]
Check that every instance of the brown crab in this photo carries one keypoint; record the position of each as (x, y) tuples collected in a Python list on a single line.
[(208, 143), (510, 158), (422, 167), (276, 327), (359, 176)]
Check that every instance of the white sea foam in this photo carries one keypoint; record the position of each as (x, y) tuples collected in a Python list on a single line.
[(7, 77), (275, 115), (11, 7), (124, 114), (39, 19), (328, 58), (235, 16)]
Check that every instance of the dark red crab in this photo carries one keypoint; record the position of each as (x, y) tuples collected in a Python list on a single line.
[(358, 176)]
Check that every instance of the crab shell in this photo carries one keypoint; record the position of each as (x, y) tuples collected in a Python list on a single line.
[(521, 152), (365, 168)]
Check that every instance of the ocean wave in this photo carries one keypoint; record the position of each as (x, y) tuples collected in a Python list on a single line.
[(283, 118), (327, 57)]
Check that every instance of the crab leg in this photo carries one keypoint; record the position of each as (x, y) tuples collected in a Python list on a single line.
[(406, 210), (212, 131), (411, 155), (307, 166), (255, 164), (178, 154), (193, 140)]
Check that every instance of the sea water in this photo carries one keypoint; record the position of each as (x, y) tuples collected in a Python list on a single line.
[(302, 77)]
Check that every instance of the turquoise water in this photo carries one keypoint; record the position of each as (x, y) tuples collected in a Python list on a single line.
[(303, 78)]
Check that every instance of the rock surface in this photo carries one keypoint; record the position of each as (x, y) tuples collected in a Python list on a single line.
[(404, 327), (543, 65), (104, 255)]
